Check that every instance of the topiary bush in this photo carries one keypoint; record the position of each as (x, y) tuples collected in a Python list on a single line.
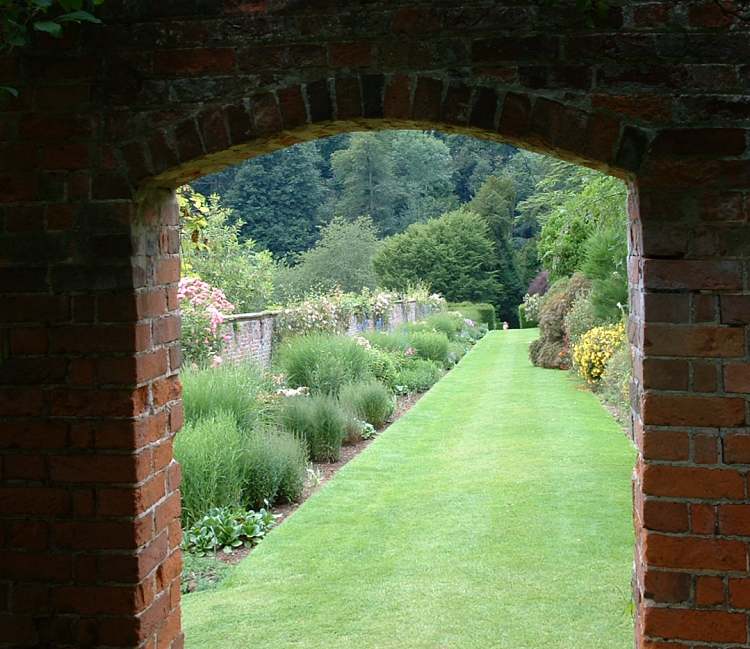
[(320, 421), (417, 375), (323, 362), (430, 345), (551, 350), (275, 465), (369, 401), (595, 348)]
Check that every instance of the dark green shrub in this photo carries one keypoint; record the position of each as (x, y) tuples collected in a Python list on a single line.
[(227, 388), (417, 375), (369, 401), (210, 451), (382, 366), (551, 349), (323, 362), (430, 345), (320, 421), (477, 311), (274, 464)]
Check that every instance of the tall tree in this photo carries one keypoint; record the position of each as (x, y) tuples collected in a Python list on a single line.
[(454, 254), (423, 166), (495, 203), (341, 258), (279, 197), (365, 180)]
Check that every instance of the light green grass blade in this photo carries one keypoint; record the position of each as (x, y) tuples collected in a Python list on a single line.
[(496, 513)]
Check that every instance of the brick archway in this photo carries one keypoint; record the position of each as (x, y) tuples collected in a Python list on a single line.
[(111, 119)]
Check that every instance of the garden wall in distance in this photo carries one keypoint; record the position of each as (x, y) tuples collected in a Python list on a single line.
[(251, 334)]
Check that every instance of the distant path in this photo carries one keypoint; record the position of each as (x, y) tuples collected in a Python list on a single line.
[(495, 513)]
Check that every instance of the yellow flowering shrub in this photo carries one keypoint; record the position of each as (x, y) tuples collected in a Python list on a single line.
[(595, 348)]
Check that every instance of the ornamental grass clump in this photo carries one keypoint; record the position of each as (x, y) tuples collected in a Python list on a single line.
[(595, 348), (323, 363), (395, 342), (449, 323), (417, 375), (369, 401), (382, 366), (210, 451), (275, 463), (227, 388), (430, 345), (320, 421)]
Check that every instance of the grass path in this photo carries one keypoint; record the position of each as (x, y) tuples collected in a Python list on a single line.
[(494, 514)]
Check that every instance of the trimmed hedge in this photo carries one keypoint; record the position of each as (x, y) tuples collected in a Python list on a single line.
[(477, 311)]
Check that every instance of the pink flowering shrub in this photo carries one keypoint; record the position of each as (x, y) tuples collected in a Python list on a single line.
[(204, 308)]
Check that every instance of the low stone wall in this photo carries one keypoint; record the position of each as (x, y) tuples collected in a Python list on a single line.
[(250, 335)]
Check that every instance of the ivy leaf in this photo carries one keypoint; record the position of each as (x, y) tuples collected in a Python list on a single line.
[(9, 90), (50, 27), (78, 17)]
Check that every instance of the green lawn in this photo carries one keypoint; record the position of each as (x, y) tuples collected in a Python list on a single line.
[(496, 513)]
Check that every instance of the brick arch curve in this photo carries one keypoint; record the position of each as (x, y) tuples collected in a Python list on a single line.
[(112, 118), (227, 133)]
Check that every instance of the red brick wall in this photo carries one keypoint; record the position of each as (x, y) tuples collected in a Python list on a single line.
[(111, 118)]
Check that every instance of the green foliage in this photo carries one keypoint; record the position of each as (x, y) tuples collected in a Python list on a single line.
[(278, 198), (430, 345), (417, 375), (320, 421), (230, 388), (423, 168), (614, 386), (202, 572), (551, 348), (495, 202), (382, 366), (394, 177), (210, 451), (342, 258), (322, 362), (456, 351), (226, 529), (20, 18), (212, 250), (605, 264), (394, 342), (449, 323), (587, 203), (369, 401), (274, 464), (364, 177), (476, 311), (580, 317), (453, 254)]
